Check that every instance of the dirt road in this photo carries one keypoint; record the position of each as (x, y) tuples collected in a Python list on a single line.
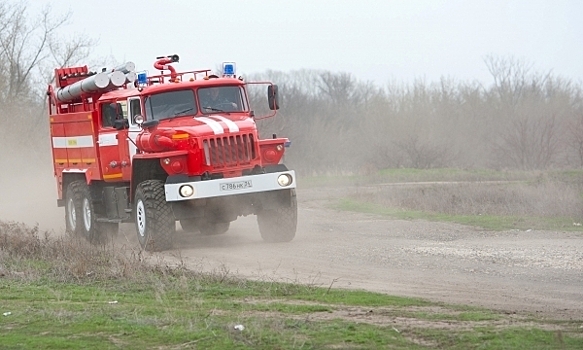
[(514, 271)]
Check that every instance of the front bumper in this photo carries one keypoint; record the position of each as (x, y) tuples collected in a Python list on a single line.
[(230, 186)]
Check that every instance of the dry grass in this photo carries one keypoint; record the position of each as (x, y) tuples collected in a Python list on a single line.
[(67, 258), (544, 199)]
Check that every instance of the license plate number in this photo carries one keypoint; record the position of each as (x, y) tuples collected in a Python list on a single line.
[(236, 186)]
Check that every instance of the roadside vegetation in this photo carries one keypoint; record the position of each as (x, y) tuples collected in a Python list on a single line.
[(62, 293), (493, 200)]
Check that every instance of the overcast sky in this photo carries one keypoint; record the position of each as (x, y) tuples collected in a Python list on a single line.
[(375, 40)]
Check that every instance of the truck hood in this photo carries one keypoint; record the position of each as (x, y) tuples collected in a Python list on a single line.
[(211, 125)]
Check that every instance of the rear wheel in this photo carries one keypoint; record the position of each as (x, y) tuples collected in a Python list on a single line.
[(73, 207), (153, 216), (80, 215), (279, 223)]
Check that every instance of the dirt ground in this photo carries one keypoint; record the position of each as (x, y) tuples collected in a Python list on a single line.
[(513, 271)]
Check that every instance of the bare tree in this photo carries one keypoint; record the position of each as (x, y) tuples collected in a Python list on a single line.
[(575, 137), (29, 44), (526, 108), (510, 78), (530, 143), (30, 49)]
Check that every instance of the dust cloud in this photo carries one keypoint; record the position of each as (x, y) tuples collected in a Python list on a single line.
[(28, 191)]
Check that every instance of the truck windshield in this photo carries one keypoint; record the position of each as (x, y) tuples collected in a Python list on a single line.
[(221, 99), (170, 104)]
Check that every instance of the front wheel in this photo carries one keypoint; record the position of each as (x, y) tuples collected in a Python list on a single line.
[(153, 216), (279, 223)]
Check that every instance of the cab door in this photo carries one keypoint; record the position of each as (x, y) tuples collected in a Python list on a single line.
[(110, 159), (134, 129), (128, 136)]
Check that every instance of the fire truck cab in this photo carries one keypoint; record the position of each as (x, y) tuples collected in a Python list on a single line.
[(172, 147)]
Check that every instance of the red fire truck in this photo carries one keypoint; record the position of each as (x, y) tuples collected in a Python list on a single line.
[(154, 150)]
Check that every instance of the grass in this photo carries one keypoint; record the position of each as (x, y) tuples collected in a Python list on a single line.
[(425, 175), (488, 222), (487, 199), (63, 293)]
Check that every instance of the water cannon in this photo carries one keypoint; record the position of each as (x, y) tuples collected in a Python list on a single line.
[(162, 64), (106, 80), (172, 58)]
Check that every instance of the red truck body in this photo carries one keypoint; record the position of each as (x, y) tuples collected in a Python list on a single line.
[(158, 149)]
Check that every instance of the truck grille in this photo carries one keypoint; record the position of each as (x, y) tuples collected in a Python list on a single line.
[(229, 151)]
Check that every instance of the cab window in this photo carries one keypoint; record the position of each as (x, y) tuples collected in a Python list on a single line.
[(221, 99), (170, 104), (112, 111), (135, 108)]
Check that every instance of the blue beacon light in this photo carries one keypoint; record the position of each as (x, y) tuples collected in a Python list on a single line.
[(229, 69), (142, 78)]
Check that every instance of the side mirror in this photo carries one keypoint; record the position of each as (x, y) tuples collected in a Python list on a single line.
[(273, 97), (120, 124), (150, 124)]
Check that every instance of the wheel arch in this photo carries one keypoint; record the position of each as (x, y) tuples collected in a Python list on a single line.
[(146, 169), (67, 178)]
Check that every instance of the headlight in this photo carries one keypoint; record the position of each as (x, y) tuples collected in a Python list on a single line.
[(186, 191), (284, 180)]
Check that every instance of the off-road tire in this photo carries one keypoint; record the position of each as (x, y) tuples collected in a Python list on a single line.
[(81, 217), (155, 223), (213, 228), (279, 224), (73, 207)]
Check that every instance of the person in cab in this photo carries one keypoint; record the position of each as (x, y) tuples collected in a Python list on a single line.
[(213, 101)]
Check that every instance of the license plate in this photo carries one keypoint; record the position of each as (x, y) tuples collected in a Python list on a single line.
[(236, 186)]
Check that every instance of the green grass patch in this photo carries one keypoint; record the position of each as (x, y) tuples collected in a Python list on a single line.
[(419, 175), (196, 311), (449, 174), (473, 316), (488, 222)]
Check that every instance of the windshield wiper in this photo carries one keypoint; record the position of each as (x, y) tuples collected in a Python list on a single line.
[(184, 111), (215, 109)]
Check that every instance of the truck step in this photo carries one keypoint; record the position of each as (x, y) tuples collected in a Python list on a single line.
[(113, 221)]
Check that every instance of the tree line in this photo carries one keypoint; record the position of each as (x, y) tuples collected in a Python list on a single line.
[(524, 120)]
